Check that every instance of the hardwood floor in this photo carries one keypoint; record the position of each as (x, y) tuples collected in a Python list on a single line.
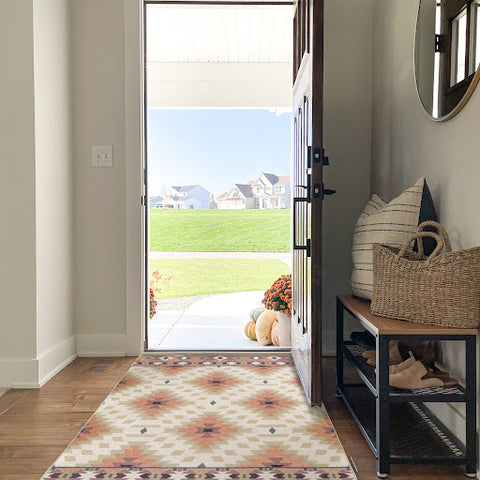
[(36, 425)]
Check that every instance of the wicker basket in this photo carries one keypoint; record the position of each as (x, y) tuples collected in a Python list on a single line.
[(438, 290)]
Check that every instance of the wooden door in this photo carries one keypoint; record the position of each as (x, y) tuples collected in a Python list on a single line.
[(307, 192)]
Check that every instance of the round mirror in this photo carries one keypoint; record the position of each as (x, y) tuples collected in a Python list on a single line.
[(447, 55)]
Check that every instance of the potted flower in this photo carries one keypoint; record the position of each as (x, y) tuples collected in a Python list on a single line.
[(153, 303), (157, 282), (279, 297)]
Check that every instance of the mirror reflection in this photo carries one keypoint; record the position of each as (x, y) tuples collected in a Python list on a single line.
[(447, 53)]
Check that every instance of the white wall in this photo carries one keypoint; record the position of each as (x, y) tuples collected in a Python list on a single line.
[(37, 240), (107, 252), (99, 212), (406, 145), (347, 131), (17, 193), (54, 184)]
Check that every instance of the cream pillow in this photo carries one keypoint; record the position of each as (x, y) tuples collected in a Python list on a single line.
[(390, 224)]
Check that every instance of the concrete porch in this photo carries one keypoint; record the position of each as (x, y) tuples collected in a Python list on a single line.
[(213, 322)]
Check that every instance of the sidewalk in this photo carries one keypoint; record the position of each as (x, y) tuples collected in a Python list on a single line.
[(283, 257), (214, 322)]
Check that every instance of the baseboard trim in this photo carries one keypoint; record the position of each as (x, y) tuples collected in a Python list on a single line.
[(56, 359), (18, 373), (101, 345)]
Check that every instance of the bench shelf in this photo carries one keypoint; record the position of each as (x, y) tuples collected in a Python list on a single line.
[(397, 425)]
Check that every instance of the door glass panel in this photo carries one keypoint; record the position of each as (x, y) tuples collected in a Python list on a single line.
[(459, 47)]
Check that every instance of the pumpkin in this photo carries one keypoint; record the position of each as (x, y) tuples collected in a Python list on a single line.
[(275, 339), (256, 312), (263, 327), (250, 330)]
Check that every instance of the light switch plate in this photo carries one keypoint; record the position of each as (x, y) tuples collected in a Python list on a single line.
[(102, 155)]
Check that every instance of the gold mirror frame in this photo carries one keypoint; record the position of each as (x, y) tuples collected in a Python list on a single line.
[(463, 101)]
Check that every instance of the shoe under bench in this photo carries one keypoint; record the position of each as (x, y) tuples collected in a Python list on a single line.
[(396, 423)]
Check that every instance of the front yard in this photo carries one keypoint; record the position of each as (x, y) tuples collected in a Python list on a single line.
[(191, 277), (219, 230)]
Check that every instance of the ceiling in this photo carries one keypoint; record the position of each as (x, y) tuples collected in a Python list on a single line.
[(219, 34)]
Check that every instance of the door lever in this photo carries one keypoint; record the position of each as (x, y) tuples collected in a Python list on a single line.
[(319, 191)]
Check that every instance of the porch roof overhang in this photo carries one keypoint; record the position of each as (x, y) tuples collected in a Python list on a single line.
[(219, 56)]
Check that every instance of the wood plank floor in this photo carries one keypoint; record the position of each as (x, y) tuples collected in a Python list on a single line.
[(36, 425)]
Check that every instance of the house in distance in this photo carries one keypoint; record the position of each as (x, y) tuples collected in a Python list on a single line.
[(189, 196), (267, 191)]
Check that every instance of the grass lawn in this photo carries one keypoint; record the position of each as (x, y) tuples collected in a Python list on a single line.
[(212, 276), (219, 230)]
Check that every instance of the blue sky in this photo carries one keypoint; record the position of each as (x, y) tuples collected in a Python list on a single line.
[(215, 148)]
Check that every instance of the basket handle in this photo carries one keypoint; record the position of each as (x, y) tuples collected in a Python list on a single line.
[(446, 238), (418, 235)]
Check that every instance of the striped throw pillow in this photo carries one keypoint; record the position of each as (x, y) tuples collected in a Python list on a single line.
[(389, 224)]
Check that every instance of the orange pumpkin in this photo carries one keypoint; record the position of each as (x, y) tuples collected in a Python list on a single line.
[(250, 330)]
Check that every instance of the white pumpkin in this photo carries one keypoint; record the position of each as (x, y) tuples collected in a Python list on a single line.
[(263, 327), (256, 312)]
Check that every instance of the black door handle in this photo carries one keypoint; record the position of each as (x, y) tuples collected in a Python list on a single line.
[(319, 191), (306, 247)]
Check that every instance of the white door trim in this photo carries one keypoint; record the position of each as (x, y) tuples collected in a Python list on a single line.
[(134, 164)]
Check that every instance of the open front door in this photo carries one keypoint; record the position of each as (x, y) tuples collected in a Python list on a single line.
[(308, 193)]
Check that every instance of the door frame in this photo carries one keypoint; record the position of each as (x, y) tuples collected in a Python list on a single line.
[(144, 142)]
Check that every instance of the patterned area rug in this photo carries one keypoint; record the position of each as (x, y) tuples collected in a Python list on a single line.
[(206, 417)]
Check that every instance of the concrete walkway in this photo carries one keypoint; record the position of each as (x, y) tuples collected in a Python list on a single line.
[(283, 257), (214, 322)]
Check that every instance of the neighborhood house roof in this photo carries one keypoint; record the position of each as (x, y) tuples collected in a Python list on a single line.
[(245, 190), (185, 188), (283, 180), (273, 179), (182, 199)]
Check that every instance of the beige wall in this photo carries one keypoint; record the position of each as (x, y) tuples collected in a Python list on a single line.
[(347, 130), (407, 145), (99, 212)]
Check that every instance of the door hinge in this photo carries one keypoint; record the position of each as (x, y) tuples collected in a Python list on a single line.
[(320, 157), (143, 200), (319, 191)]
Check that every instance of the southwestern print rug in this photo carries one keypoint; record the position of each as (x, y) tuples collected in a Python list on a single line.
[(206, 417)]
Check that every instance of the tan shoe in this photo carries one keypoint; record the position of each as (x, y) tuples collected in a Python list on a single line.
[(417, 376), (402, 366)]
